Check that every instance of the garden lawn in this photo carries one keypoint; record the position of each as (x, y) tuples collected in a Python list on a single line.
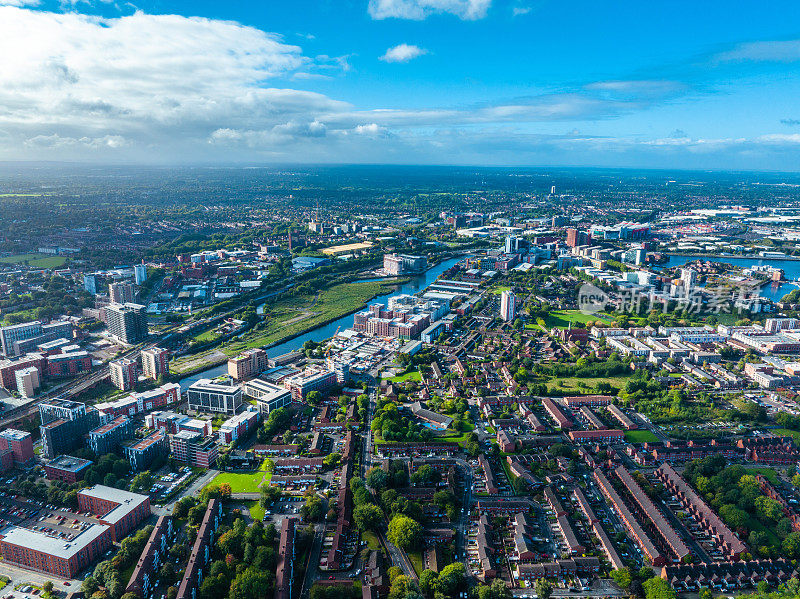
[(640, 436), (245, 482), (408, 376), (255, 509), (570, 384)]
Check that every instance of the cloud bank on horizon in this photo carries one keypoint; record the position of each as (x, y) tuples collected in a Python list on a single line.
[(81, 85)]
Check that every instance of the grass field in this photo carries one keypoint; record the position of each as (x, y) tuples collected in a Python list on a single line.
[(640, 436), (255, 509), (35, 260), (769, 473), (561, 319), (571, 383), (245, 482), (455, 438), (408, 376), (416, 561), (501, 289), (371, 539)]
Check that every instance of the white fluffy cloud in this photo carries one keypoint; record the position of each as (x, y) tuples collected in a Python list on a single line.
[(71, 80), (403, 53), (19, 2), (421, 9)]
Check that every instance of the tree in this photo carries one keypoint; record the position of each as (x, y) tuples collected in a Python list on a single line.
[(367, 516), (791, 545), (496, 590), (705, 593), (47, 588), (377, 478), (427, 582), (622, 577), (658, 588), (312, 509), (172, 592), (332, 460), (451, 579), (142, 481), (313, 397), (404, 531), (543, 589), (250, 584)]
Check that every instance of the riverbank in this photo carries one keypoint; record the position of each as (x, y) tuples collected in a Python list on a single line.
[(295, 341), (288, 319)]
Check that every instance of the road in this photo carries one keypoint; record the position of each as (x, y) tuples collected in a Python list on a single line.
[(312, 570)]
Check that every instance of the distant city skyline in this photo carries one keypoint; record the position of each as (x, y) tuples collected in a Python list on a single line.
[(484, 82)]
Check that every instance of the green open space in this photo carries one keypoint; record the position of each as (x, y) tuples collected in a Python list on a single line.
[(769, 473), (408, 376), (35, 260), (574, 383), (255, 509), (561, 319), (416, 561), (371, 539), (501, 289), (640, 436), (788, 432), (242, 482)]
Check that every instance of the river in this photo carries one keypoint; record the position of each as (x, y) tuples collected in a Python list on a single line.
[(414, 285), (774, 291)]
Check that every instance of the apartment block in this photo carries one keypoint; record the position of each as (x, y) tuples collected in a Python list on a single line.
[(155, 362), (248, 364), (238, 426), (67, 468), (267, 395), (312, 379), (127, 322), (28, 381), (193, 449), (9, 368), (142, 452), (124, 373), (72, 363), (107, 437)]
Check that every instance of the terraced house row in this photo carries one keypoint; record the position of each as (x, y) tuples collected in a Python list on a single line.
[(605, 542), (724, 537), (642, 539), (656, 522)]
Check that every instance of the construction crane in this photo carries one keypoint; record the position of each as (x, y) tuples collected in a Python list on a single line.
[(328, 352)]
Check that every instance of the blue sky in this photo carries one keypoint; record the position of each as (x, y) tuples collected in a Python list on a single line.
[(496, 82)]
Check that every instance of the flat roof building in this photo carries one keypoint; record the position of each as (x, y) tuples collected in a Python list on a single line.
[(206, 395)]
